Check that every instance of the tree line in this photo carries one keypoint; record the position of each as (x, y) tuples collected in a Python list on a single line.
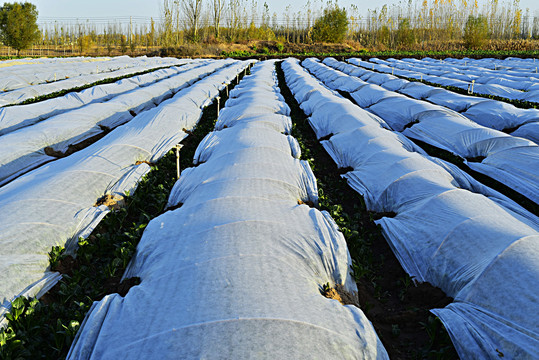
[(403, 25)]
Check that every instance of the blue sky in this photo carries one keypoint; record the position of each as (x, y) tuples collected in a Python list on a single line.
[(120, 8)]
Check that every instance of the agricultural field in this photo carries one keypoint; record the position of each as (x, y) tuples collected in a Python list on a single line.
[(197, 208)]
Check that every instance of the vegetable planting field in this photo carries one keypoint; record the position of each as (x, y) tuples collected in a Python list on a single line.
[(359, 209)]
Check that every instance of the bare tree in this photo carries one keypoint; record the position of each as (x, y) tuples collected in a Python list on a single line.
[(233, 19), (168, 21), (192, 11), (218, 7)]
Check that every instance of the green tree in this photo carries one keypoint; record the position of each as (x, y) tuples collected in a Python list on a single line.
[(84, 42), (476, 32), (18, 25), (123, 44), (331, 26), (405, 34)]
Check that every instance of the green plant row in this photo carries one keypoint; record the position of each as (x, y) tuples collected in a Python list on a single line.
[(391, 53), (379, 287), (45, 328)]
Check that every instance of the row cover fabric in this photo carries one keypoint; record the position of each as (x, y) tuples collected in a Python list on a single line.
[(511, 160), (448, 230), (20, 74), (239, 266), (509, 68), (18, 116), (33, 91), (32, 146), (490, 113), (484, 82), (54, 205), (518, 86)]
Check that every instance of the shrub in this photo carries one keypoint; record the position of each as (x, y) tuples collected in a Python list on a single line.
[(405, 34), (384, 35), (476, 32), (123, 44), (332, 26), (84, 43)]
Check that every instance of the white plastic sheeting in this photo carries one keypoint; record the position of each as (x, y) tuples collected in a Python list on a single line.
[(22, 73), (237, 268), (18, 116), (449, 230), (120, 67), (35, 145), (490, 113), (520, 85), (511, 160), (54, 205)]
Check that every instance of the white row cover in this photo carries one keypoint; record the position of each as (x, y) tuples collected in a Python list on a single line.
[(505, 68), (23, 73), (238, 268), (448, 230), (132, 66), (524, 79), (18, 116), (16, 74), (511, 160), (487, 83), (490, 113), (30, 147), (54, 205)]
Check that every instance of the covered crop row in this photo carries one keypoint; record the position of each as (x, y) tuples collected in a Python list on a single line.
[(494, 114), (121, 67), (446, 228), (35, 145), (239, 266), (515, 86), (512, 65), (38, 212), (510, 160), (505, 68), (16, 74), (15, 117)]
